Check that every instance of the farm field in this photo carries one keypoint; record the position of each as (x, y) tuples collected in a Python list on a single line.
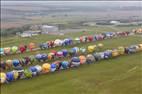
[(121, 75)]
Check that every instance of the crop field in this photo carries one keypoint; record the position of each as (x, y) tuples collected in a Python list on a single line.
[(120, 75)]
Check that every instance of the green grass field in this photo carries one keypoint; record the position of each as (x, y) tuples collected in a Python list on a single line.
[(121, 75)]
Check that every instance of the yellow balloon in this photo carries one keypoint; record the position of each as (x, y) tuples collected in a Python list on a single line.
[(140, 47), (115, 53), (46, 67), (16, 74), (91, 48), (100, 45), (2, 77), (121, 50)]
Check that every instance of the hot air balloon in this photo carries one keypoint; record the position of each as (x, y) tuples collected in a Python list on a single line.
[(22, 48), (58, 64), (64, 64), (14, 49), (58, 42), (38, 57), (100, 45), (46, 67), (53, 67), (97, 56), (121, 50), (7, 50), (91, 48), (9, 76), (59, 54), (1, 51), (65, 52), (140, 47), (44, 57), (34, 70), (115, 53), (8, 64), (82, 59), (75, 62), (90, 58), (15, 63), (107, 54), (82, 50), (2, 77), (77, 40), (27, 73), (2, 65), (32, 46), (38, 68), (90, 38)]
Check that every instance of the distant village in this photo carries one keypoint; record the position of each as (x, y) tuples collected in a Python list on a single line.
[(54, 29)]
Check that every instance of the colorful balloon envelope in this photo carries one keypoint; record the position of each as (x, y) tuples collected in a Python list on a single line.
[(15, 63), (38, 68), (107, 54), (121, 50), (82, 59), (58, 42), (76, 49), (27, 73), (82, 50), (91, 48), (115, 53), (9, 63), (75, 62), (44, 57), (2, 77), (1, 51), (65, 52), (10, 76), (59, 54), (14, 49), (100, 45), (38, 57), (140, 46), (90, 58), (32, 45), (46, 67), (53, 67), (33, 69), (15, 74), (64, 64), (97, 56), (7, 50)]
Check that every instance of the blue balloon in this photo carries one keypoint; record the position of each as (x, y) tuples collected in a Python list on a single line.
[(65, 52), (65, 64), (75, 59), (33, 69), (16, 63), (53, 67), (10, 76), (44, 57)]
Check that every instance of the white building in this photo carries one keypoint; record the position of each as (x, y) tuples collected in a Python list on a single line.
[(114, 22), (48, 29)]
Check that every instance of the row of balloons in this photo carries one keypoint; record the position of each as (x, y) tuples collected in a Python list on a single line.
[(58, 42), (8, 64), (62, 65)]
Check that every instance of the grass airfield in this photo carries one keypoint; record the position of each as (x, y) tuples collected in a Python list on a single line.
[(121, 75)]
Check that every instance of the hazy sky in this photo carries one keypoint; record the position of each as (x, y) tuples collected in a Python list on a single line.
[(109, 3)]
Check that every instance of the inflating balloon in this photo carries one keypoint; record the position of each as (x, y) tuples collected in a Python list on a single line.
[(90, 58), (115, 53), (121, 50), (27, 73), (9, 76), (7, 50), (1, 51), (14, 49), (91, 48), (15, 63), (82, 59), (53, 67), (75, 62), (32, 46), (64, 64), (2, 77), (38, 68), (46, 67), (65, 52)]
